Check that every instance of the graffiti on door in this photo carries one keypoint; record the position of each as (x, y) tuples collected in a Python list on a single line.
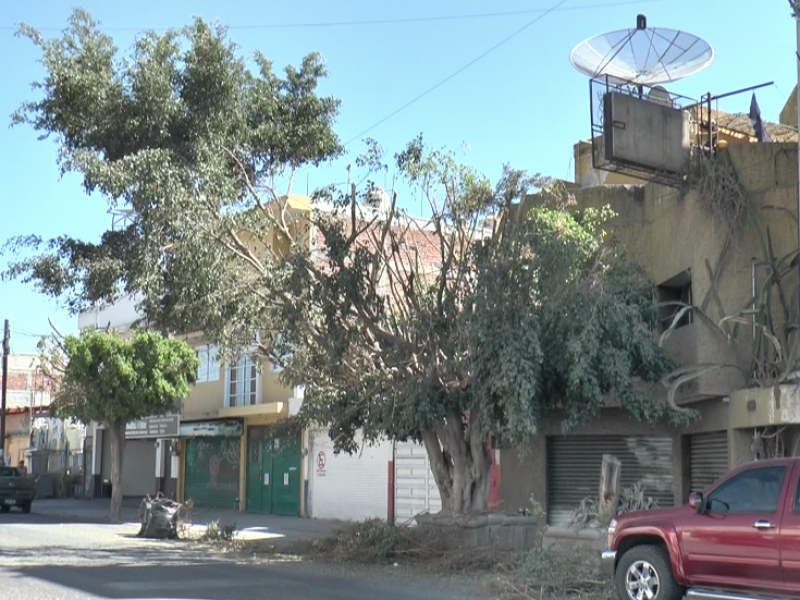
[(223, 464)]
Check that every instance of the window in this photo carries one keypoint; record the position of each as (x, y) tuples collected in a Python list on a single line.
[(208, 369), (754, 491), (242, 383), (673, 296), (797, 499)]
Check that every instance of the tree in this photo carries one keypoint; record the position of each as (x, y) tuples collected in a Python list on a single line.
[(478, 320), (103, 378)]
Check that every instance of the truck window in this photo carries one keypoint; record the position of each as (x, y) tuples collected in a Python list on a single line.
[(753, 491)]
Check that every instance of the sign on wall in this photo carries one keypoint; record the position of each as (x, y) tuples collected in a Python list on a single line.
[(211, 429), (321, 461), (153, 427)]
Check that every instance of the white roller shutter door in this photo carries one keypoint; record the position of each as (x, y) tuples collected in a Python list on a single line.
[(348, 487), (415, 489)]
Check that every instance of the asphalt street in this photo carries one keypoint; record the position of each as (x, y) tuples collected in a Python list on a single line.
[(45, 559)]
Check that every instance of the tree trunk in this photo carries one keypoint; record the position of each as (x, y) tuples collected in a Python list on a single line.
[(461, 463), (117, 433)]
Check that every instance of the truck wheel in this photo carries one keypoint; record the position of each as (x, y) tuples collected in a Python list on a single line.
[(26, 508), (645, 573), (4, 508)]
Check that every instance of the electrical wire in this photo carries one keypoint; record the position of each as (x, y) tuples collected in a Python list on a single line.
[(397, 21), (455, 73)]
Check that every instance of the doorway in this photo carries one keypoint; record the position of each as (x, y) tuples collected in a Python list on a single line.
[(273, 473)]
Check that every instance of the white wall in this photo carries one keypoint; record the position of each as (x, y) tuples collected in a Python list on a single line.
[(120, 314), (353, 487)]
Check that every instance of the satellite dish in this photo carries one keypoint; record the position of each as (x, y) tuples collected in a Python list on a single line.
[(660, 95), (644, 55)]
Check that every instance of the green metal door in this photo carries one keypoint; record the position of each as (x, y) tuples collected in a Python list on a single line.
[(267, 483), (286, 471), (254, 475), (211, 470)]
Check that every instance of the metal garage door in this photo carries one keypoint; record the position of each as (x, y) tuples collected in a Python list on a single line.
[(212, 471), (415, 490), (350, 487), (708, 459), (573, 469)]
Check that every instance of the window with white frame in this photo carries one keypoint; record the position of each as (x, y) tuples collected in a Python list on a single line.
[(208, 369), (242, 383)]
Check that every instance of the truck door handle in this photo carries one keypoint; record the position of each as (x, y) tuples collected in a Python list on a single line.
[(763, 525)]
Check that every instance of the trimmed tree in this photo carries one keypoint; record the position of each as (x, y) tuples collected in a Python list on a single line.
[(478, 320), (104, 378)]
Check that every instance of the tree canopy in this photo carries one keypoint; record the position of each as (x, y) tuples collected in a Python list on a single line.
[(101, 377), (104, 378), (502, 306)]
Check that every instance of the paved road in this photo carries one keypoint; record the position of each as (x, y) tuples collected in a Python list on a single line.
[(44, 559)]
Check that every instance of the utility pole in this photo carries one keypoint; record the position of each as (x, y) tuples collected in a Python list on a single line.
[(3, 388)]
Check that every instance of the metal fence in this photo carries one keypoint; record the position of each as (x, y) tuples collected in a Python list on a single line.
[(55, 462)]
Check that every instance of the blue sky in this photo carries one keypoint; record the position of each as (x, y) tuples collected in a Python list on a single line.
[(523, 103)]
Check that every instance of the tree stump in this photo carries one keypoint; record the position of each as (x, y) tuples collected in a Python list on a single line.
[(610, 473)]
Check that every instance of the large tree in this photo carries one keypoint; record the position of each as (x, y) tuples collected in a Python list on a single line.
[(101, 377), (480, 319)]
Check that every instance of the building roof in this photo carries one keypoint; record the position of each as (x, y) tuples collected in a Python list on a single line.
[(740, 123)]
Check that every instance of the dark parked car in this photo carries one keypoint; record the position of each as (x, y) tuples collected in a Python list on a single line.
[(16, 489)]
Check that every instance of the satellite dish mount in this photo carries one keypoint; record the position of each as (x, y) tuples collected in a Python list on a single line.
[(638, 127)]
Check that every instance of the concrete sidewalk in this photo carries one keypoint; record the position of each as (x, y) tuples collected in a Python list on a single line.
[(247, 525)]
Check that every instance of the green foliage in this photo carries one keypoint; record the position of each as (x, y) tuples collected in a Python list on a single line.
[(215, 532), (179, 131), (107, 379)]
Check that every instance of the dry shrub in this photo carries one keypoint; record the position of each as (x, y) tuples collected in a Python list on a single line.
[(721, 193), (555, 572), (375, 541)]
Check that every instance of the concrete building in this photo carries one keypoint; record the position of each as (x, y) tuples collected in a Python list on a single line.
[(707, 243), (28, 394)]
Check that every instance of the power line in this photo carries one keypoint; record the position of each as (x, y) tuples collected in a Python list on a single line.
[(457, 72), (401, 20)]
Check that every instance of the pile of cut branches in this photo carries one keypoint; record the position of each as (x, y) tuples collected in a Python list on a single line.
[(375, 541)]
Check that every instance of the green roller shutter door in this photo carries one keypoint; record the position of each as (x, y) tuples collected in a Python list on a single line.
[(212, 471)]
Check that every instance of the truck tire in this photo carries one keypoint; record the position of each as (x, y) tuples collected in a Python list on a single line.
[(26, 508), (644, 568), (4, 508)]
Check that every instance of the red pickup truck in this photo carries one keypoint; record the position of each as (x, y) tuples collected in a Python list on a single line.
[(740, 539)]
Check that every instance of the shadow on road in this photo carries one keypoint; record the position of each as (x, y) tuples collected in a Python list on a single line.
[(180, 571)]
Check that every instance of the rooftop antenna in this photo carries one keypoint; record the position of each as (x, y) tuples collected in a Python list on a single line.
[(643, 55)]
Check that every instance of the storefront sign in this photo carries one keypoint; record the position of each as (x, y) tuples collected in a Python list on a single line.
[(321, 461), (211, 429), (153, 427)]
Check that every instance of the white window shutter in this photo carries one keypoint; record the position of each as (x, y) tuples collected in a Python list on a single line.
[(213, 363), (202, 368)]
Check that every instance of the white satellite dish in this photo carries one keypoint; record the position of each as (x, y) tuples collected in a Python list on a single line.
[(644, 55)]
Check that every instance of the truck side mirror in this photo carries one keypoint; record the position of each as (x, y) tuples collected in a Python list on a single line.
[(696, 501)]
